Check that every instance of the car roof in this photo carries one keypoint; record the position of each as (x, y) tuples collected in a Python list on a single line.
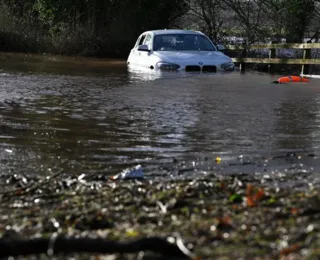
[(172, 31)]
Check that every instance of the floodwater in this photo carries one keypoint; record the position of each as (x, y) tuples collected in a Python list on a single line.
[(98, 117)]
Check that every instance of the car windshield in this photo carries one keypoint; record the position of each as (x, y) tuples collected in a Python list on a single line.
[(182, 42)]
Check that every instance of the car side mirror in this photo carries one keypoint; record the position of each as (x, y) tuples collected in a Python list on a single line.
[(220, 47), (143, 47)]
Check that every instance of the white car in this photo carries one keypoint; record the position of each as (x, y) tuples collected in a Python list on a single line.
[(178, 50)]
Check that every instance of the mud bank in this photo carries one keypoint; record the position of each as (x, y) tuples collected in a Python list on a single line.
[(267, 215)]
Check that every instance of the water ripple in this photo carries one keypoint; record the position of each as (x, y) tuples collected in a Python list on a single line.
[(102, 123)]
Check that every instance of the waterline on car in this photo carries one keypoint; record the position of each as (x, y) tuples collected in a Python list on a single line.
[(170, 50), (143, 74)]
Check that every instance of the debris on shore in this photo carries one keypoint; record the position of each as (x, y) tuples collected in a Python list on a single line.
[(267, 215)]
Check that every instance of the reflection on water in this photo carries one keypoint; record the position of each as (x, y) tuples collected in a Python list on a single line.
[(97, 117), (144, 74)]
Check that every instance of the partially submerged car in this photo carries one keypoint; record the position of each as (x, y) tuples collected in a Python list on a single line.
[(178, 50)]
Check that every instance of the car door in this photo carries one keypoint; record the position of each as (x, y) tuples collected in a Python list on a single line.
[(135, 55), (144, 55)]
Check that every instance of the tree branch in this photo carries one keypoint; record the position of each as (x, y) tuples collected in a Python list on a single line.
[(15, 247)]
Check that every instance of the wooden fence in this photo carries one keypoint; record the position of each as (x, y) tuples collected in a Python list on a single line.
[(304, 62)]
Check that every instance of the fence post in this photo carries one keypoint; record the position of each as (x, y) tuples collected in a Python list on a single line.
[(243, 55), (272, 54), (305, 69)]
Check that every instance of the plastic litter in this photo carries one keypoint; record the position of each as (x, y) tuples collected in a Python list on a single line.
[(130, 173), (218, 160)]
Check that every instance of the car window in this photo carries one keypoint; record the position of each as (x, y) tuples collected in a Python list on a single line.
[(140, 40), (147, 41), (182, 42)]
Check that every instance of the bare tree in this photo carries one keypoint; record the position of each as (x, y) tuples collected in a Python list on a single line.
[(260, 19), (210, 17)]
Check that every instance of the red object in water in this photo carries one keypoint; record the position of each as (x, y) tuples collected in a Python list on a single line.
[(289, 79)]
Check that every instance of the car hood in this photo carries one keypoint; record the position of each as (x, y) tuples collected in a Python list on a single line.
[(186, 56)]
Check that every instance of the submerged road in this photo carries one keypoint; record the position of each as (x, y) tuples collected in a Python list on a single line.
[(98, 117)]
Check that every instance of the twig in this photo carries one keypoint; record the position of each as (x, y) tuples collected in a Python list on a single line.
[(32, 186), (59, 244)]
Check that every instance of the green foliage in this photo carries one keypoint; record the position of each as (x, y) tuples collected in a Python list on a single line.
[(99, 27), (235, 198), (46, 12)]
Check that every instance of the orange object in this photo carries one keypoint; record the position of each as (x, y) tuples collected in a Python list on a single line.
[(254, 195), (290, 249), (291, 79)]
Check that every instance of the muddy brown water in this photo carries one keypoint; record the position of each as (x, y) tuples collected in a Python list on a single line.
[(97, 117)]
